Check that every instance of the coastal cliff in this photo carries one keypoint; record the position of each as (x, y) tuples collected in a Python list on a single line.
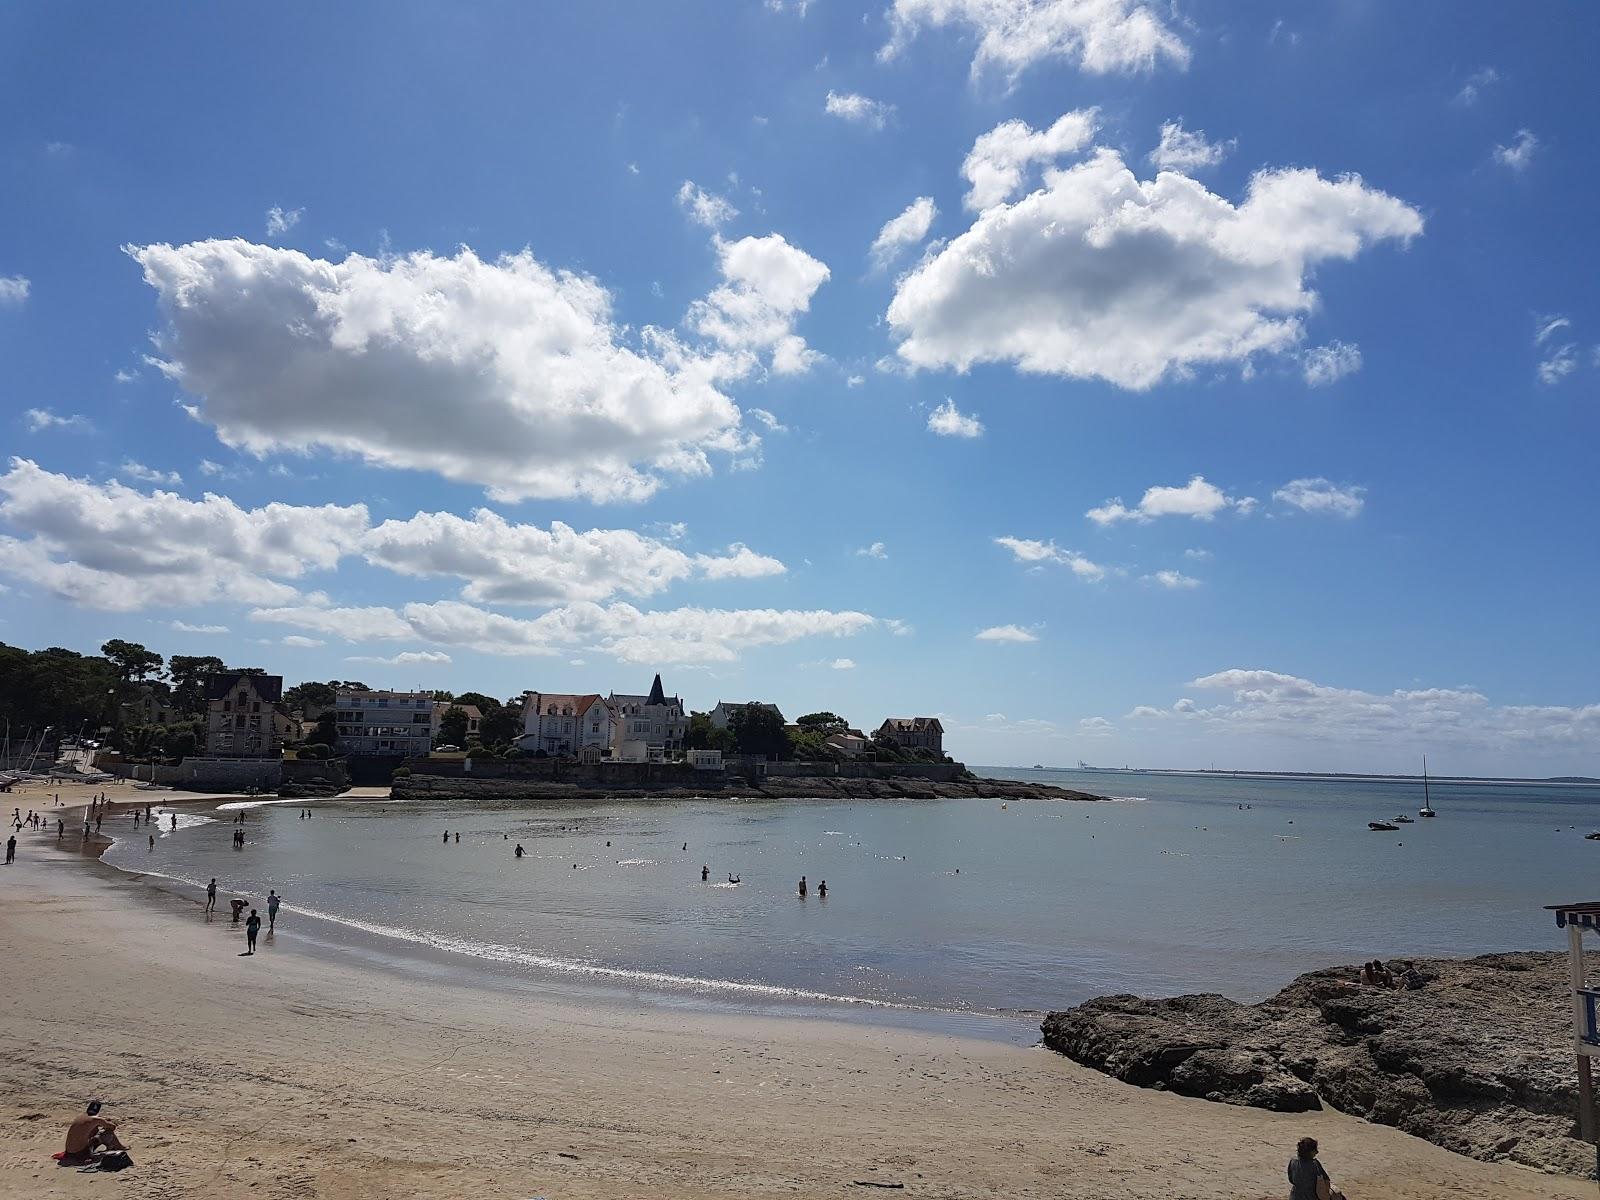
[(1478, 1059), (801, 787)]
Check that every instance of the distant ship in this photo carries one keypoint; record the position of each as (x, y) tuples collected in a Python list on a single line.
[(1427, 802), (1083, 766)]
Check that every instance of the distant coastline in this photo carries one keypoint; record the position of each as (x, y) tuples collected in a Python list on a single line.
[(1580, 780)]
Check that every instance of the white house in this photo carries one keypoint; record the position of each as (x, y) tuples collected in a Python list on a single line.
[(562, 723), (849, 743), (657, 720), (725, 709)]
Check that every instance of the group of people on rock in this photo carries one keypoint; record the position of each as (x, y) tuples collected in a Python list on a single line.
[(1404, 977)]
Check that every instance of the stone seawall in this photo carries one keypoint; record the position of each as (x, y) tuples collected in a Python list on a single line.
[(1477, 1059), (804, 788)]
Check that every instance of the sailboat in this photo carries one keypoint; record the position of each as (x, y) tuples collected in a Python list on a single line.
[(1427, 803)]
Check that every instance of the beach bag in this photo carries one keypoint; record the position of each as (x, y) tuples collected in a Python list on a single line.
[(116, 1160)]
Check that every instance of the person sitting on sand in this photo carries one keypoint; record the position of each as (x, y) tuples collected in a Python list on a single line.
[(1307, 1179), (88, 1135)]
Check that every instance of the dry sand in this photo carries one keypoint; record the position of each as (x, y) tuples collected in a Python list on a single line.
[(299, 1074)]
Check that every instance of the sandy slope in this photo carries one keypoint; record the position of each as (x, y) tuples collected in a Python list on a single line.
[(295, 1075)]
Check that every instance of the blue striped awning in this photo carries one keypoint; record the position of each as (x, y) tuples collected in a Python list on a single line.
[(1584, 916)]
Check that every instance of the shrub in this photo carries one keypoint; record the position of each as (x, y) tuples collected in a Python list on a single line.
[(400, 773)]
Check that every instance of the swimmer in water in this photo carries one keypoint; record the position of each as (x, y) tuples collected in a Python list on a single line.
[(822, 890), (519, 850), (705, 874), (733, 879), (802, 887)]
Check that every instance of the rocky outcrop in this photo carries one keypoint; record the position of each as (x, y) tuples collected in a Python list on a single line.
[(798, 788), (1477, 1059)]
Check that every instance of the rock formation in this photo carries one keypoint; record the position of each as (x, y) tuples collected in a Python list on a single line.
[(820, 787), (1477, 1058)]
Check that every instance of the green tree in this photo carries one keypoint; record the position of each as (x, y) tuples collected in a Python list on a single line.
[(758, 731), (500, 726), (443, 696), (484, 704), (810, 745), (182, 742), (311, 695), (327, 730), (823, 723), (188, 672), (452, 727), (132, 661)]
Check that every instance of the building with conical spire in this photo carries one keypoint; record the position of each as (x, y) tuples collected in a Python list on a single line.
[(650, 728)]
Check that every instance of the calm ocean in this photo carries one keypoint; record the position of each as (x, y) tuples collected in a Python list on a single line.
[(933, 906)]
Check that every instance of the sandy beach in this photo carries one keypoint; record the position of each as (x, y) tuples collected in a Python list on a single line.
[(296, 1074)]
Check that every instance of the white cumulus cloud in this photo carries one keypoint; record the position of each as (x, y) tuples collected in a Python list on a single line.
[(1098, 36), (999, 160), (899, 233), (507, 373), (949, 421), (1197, 498), (1175, 580), (109, 547), (1099, 275), (674, 636), (14, 290), (767, 285)]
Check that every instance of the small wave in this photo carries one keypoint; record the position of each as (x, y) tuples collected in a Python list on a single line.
[(725, 886), (833, 833), (233, 805), (1127, 799), (636, 862)]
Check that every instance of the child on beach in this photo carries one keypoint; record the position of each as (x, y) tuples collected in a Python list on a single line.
[(1307, 1179)]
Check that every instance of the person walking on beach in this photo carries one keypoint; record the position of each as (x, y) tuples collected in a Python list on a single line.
[(152, 841), (11, 849), (211, 896), (446, 837), (174, 820), (251, 928), (273, 900), (802, 887), (1307, 1179), (458, 839), (61, 829)]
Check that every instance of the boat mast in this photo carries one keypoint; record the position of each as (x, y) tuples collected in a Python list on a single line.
[(1426, 801)]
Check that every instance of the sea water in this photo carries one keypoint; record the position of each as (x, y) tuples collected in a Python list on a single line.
[(965, 906)]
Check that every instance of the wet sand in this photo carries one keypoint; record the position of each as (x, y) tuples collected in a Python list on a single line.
[(296, 1074)]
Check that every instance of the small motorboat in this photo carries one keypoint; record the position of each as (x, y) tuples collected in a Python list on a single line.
[(1402, 819), (1381, 826), (1592, 837)]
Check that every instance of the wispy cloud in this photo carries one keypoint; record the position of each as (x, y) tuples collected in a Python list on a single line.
[(858, 110), (876, 550), (949, 421), (144, 474), (1006, 633), (1037, 553), (14, 289), (1519, 153), (1322, 497), (280, 221), (39, 419)]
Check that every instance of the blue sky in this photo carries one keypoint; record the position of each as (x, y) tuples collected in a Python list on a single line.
[(607, 272)]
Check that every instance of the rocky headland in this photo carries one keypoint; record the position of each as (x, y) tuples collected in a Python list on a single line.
[(1477, 1059), (820, 787)]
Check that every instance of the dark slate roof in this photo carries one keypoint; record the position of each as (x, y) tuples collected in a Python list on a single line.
[(268, 687)]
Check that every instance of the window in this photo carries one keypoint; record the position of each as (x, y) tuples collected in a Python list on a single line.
[(383, 702), (227, 706), (255, 706)]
